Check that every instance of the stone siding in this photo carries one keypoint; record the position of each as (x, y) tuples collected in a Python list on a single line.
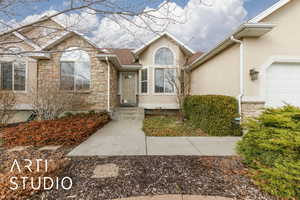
[(252, 109)]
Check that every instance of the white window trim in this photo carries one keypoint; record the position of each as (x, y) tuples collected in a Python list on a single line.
[(153, 81), (140, 81), (13, 76), (168, 47)]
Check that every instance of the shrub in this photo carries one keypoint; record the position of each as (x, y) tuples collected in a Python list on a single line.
[(214, 114), (50, 103), (7, 102), (65, 131), (271, 148)]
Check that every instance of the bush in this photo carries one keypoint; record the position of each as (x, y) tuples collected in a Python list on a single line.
[(214, 114), (7, 103), (271, 148), (65, 131)]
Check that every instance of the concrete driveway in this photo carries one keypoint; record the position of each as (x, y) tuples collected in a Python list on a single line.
[(126, 138)]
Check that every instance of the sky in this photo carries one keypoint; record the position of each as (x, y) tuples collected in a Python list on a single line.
[(200, 24)]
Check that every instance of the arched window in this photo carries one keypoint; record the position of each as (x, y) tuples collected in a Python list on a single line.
[(75, 70), (164, 56)]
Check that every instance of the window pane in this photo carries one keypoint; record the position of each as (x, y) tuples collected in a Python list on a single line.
[(164, 56), (82, 76), (144, 75), (19, 76), (67, 76), (159, 80), (144, 87), (6, 75), (170, 80)]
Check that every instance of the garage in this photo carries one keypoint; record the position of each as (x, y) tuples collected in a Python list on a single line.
[(283, 84)]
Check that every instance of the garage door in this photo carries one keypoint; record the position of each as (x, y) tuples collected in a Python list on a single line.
[(283, 84)]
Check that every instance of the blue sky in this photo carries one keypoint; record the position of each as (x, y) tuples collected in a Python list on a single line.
[(202, 29)]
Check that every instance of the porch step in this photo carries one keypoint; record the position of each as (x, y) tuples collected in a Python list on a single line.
[(129, 113)]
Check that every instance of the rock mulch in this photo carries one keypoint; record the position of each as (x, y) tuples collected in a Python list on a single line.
[(158, 175), (176, 197)]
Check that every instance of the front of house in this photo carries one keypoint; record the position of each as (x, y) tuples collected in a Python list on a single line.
[(258, 64), (105, 78)]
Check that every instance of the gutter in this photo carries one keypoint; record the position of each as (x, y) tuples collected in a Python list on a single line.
[(240, 97), (108, 84)]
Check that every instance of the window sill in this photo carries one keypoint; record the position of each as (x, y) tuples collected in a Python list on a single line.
[(13, 91), (164, 94)]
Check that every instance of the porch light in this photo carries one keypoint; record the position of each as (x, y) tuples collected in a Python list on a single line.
[(254, 74)]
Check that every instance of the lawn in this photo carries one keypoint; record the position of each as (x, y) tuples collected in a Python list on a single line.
[(170, 126)]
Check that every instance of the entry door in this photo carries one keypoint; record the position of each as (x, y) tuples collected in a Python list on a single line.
[(128, 88)]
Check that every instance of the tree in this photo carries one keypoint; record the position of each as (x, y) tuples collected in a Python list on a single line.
[(7, 103)]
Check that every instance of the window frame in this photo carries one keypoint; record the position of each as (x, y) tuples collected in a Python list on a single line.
[(173, 52), (140, 81), (75, 74), (154, 77), (13, 76)]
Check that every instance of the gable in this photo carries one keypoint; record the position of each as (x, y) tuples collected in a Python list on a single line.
[(147, 56)]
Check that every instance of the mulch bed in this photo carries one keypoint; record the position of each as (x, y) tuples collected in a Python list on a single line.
[(67, 131), (157, 175)]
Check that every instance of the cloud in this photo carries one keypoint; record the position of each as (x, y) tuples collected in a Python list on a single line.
[(199, 25)]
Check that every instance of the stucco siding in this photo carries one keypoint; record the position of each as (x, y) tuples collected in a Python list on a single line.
[(151, 99), (282, 41), (219, 75)]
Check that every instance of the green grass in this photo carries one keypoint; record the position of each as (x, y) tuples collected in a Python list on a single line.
[(169, 126)]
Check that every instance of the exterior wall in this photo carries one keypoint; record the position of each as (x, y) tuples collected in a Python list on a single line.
[(282, 41), (220, 75), (49, 74), (114, 97), (23, 98), (152, 100)]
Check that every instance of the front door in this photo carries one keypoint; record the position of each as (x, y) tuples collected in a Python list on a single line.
[(128, 84)]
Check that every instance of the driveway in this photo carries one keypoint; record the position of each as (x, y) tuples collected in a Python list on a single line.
[(126, 138)]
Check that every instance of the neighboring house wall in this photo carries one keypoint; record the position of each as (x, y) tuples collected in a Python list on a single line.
[(219, 75), (49, 74), (153, 100)]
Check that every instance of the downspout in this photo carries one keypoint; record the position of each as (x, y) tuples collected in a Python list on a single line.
[(240, 97), (108, 84)]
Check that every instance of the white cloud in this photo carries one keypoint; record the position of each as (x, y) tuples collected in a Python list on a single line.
[(198, 25), (201, 25)]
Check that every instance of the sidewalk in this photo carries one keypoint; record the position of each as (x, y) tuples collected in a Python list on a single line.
[(126, 138)]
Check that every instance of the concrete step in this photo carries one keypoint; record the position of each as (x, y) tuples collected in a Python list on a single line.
[(128, 113)]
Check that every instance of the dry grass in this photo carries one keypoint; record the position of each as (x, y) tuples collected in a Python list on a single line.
[(170, 126)]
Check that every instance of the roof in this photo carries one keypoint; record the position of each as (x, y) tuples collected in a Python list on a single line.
[(245, 30), (184, 47), (194, 57), (269, 11), (125, 56)]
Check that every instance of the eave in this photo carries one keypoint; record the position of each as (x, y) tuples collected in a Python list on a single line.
[(248, 30)]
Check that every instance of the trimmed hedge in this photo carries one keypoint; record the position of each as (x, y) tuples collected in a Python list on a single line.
[(214, 114), (271, 148)]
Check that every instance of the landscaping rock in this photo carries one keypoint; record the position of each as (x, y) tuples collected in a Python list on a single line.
[(106, 171), (50, 148), (18, 148)]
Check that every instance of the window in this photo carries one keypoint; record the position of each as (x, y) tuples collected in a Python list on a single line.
[(144, 81), (164, 80), (75, 70), (164, 56), (13, 76)]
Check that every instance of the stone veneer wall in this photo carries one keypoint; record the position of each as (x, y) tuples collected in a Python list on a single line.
[(49, 74), (114, 97), (252, 109)]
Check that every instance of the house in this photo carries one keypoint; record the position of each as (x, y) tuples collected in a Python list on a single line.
[(259, 63), (106, 78)]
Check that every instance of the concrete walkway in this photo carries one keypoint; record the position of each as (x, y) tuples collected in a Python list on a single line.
[(126, 138)]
